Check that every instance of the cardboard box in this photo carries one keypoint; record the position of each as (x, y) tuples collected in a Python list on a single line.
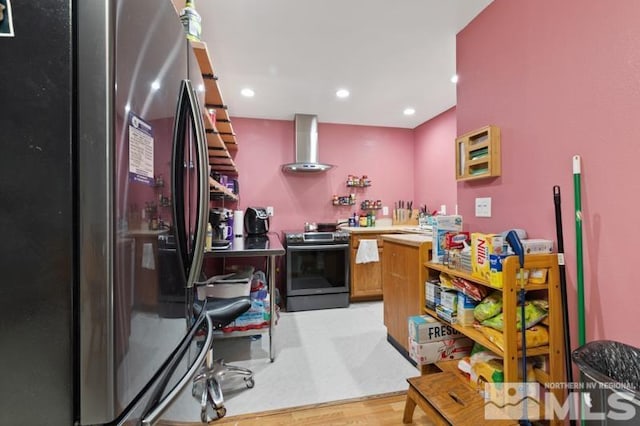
[(449, 300), (425, 329), (496, 277), (464, 313), (441, 225), (533, 246), (456, 239), (443, 350), (446, 314), (432, 294), (495, 270), (482, 246)]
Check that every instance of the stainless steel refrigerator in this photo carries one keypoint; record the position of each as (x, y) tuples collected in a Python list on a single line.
[(103, 201)]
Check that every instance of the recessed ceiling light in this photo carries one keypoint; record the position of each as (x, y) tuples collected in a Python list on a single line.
[(409, 111), (454, 78), (247, 92), (342, 93), (201, 88), (155, 85)]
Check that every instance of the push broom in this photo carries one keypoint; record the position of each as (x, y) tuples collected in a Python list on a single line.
[(563, 288)]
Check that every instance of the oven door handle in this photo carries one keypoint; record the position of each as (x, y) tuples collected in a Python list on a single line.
[(318, 247)]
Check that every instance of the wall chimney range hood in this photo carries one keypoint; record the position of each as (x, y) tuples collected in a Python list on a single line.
[(306, 146)]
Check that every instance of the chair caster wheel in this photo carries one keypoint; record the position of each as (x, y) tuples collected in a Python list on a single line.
[(249, 382), (221, 412)]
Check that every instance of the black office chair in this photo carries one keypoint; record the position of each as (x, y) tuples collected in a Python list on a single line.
[(207, 383)]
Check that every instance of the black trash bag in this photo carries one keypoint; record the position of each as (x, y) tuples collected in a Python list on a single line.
[(610, 362), (610, 375)]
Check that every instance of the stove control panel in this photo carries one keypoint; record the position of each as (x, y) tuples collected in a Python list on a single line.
[(301, 238)]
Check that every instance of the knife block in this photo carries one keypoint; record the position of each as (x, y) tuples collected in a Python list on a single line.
[(401, 217)]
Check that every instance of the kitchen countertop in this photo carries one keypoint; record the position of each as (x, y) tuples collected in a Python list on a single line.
[(268, 245), (391, 228), (145, 232), (407, 239)]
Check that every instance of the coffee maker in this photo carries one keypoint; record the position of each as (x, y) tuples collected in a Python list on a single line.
[(221, 223)]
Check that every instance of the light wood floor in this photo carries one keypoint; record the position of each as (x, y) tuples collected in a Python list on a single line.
[(380, 410)]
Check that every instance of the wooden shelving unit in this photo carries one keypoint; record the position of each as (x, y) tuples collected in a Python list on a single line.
[(221, 136), (216, 188), (478, 154), (510, 355), (221, 139)]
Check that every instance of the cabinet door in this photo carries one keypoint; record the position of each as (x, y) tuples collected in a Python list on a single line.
[(388, 287), (399, 265), (366, 278)]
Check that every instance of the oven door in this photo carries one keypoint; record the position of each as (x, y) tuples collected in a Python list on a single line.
[(317, 269)]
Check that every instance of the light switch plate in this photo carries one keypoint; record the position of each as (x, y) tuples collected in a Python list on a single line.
[(483, 207), (269, 210)]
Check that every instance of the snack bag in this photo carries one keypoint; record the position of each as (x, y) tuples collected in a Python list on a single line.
[(489, 307), (532, 315), (538, 335)]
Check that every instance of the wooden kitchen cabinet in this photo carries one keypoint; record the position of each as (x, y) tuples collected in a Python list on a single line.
[(366, 278), (403, 277)]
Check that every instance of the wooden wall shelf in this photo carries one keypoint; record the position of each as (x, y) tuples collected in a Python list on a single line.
[(221, 139), (213, 97), (216, 188), (478, 154)]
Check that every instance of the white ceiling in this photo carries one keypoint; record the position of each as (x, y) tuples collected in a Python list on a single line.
[(295, 54)]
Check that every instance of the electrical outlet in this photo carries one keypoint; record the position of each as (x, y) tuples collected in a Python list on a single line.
[(385, 210), (270, 210), (483, 207)]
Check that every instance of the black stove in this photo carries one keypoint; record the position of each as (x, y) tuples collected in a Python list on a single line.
[(317, 270), (315, 238)]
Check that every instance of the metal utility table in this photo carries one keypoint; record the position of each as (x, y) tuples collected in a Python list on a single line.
[(264, 246)]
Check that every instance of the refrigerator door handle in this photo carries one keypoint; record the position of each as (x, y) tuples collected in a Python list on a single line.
[(178, 164), (202, 158), (153, 414)]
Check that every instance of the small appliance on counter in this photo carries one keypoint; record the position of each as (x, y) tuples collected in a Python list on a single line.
[(221, 221), (256, 221)]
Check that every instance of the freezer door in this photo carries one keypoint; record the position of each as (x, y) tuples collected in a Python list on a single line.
[(176, 376)]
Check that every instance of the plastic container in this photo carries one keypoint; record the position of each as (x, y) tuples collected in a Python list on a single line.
[(610, 372), (223, 290), (209, 237)]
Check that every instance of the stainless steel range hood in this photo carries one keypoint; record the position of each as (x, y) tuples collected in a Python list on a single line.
[(306, 146)]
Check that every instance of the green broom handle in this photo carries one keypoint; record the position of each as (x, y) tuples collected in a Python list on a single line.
[(580, 276)]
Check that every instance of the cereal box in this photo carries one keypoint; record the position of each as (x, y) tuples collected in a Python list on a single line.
[(483, 245)]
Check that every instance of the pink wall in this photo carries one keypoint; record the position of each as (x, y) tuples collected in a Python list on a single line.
[(384, 154), (561, 79), (434, 154)]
